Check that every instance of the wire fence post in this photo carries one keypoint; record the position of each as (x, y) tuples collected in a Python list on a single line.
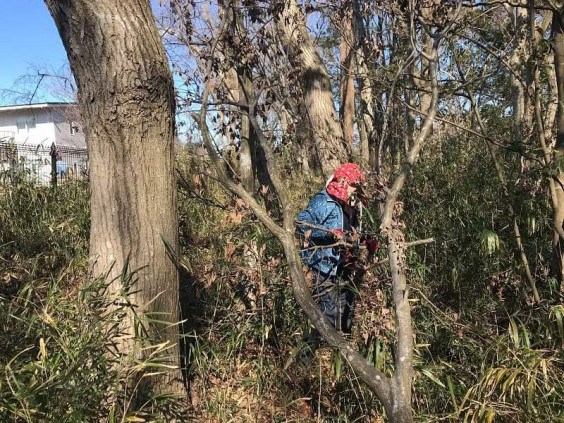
[(12, 162), (53, 154), (54, 165)]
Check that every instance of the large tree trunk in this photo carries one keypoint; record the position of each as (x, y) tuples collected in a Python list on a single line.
[(327, 133), (304, 133), (247, 153), (241, 86), (364, 55), (517, 60), (558, 190), (348, 62), (126, 96)]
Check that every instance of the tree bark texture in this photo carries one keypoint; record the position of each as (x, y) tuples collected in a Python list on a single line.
[(424, 83), (558, 31), (239, 84), (247, 150), (247, 153), (367, 120), (328, 136), (348, 62), (126, 95), (304, 133), (517, 61)]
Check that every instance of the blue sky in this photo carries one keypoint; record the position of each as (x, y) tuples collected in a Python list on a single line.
[(28, 36), (28, 40)]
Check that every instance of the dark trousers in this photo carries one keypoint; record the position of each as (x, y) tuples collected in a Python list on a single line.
[(336, 298)]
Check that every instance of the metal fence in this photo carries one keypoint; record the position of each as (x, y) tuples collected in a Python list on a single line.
[(42, 165)]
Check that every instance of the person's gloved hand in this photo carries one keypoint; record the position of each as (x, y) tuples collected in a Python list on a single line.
[(342, 236), (339, 234), (371, 244)]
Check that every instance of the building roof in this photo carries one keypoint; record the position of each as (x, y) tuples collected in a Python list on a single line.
[(35, 106)]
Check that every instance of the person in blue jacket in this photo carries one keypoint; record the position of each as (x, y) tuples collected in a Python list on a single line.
[(328, 224)]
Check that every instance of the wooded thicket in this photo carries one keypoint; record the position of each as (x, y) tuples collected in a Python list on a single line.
[(454, 109)]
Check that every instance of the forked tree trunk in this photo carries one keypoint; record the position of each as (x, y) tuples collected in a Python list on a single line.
[(318, 97), (126, 96), (395, 391)]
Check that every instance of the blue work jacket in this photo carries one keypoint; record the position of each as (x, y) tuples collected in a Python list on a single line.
[(325, 211)]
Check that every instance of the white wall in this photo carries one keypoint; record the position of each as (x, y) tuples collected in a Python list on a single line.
[(42, 134), (63, 136)]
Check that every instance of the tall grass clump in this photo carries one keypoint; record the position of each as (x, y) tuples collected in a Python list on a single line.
[(493, 354), (59, 363), (52, 357), (45, 224), (60, 327)]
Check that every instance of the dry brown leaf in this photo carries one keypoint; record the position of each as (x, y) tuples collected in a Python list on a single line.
[(304, 408), (236, 217), (229, 250)]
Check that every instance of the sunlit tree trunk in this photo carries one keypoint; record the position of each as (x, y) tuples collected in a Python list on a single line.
[(558, 190), (421, 77), (348, 62), (518, 15), (247, 153), (365, 94), (318, 97), (126, 96)]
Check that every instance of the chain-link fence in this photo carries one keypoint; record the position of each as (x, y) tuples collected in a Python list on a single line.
[(42, 165)]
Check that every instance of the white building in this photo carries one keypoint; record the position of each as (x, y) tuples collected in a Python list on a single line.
[(28, 132), (41, 124)]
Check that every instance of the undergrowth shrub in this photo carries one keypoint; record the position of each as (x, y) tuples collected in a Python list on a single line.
[(468, 290), (245, 331), (41, 223), (58, 360), (483, 352), (493, 355)]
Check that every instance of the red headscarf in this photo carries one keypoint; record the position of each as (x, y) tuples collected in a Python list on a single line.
[(351, 173)]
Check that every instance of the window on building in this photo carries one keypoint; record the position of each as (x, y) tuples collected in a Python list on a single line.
[(22, 127), (25, 125), (74, 128)]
